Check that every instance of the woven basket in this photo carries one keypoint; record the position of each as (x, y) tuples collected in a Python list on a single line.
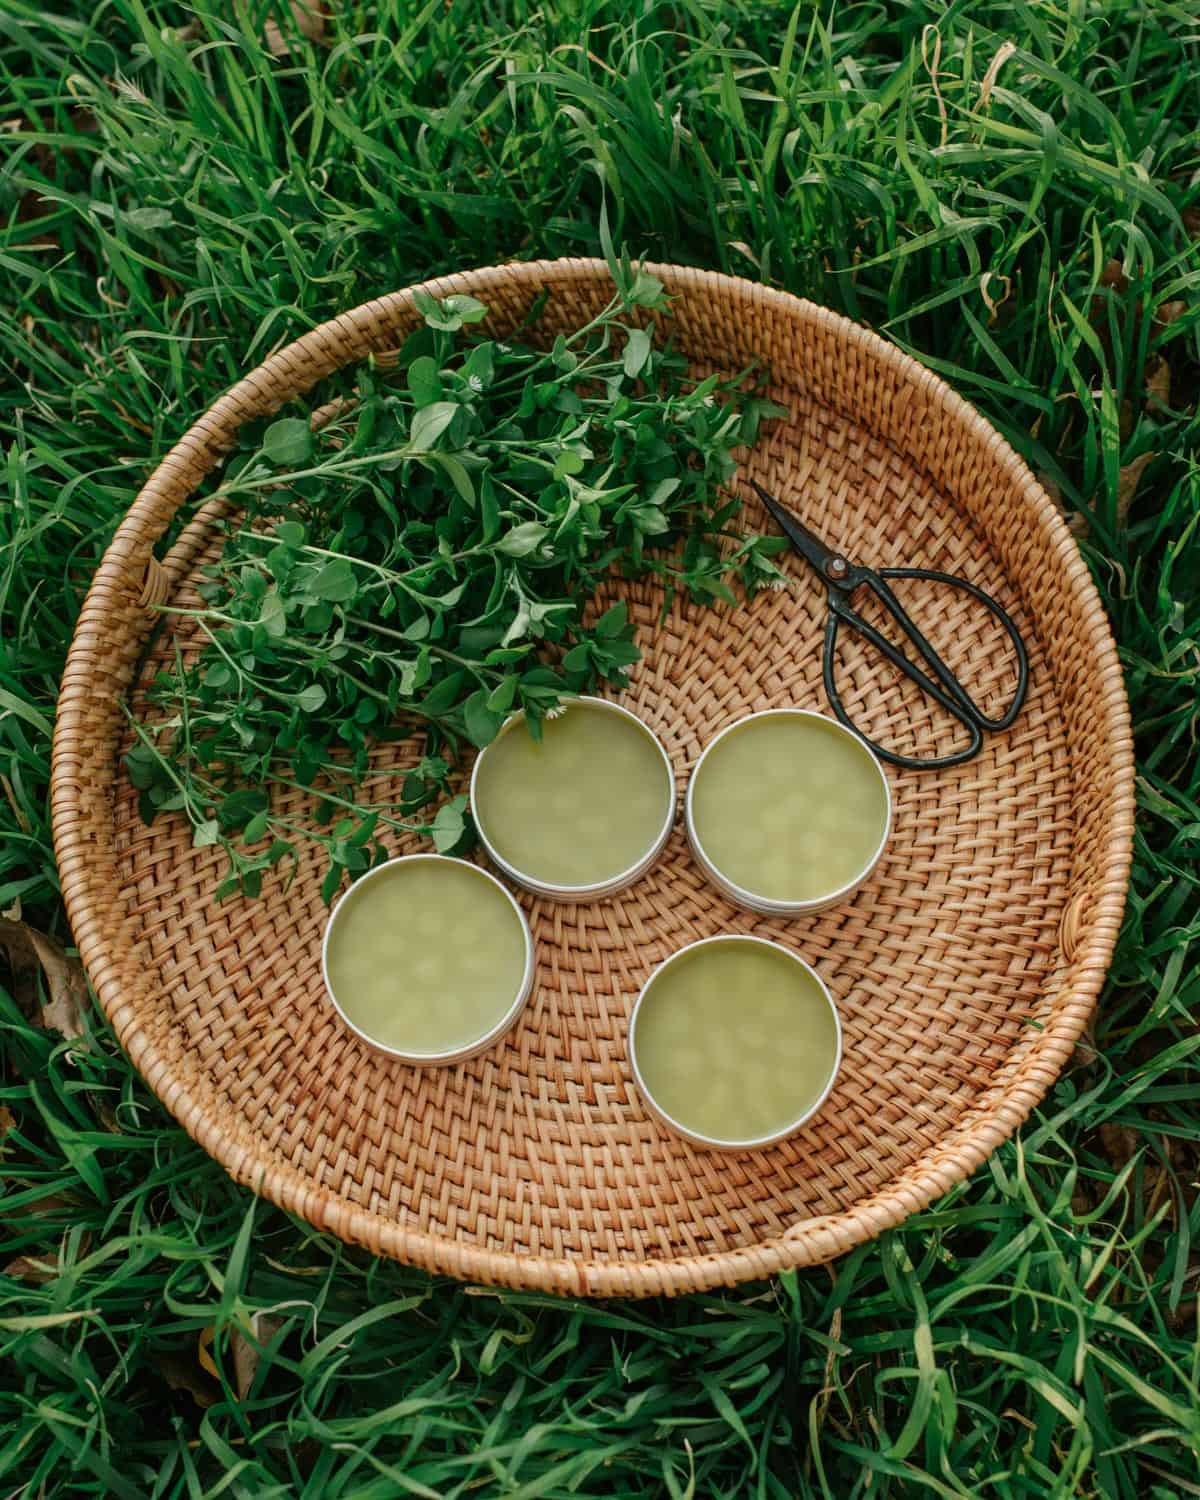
[(965, 969)]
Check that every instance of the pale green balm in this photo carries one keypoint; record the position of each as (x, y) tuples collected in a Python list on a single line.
[(426, 956), (789, 807), (579, 807), (734, 1040)]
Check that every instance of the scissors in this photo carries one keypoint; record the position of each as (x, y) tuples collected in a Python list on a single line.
[(843, 578)]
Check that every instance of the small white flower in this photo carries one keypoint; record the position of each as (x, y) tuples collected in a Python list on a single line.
[(475, 382), (556, 713)]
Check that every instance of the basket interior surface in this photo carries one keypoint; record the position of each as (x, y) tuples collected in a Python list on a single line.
[(964, 969)]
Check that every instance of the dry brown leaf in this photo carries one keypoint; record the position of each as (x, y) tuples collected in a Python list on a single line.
[(993, 306), (245, 1363), (1166, 313), (1019, 1417), (22, 960), (68, 1003), (1155, 1188), (1158, 385), (1051, 487), (1077, 523), (827, 1385), (52, 1203), (7, 1121), (35, 1272), (181, 1375), (1003, 53), (1128, 478), (204, 1351), (104, 1112), (931, 67), (309, 20), (280, 1265), (30, 951), (18, 812), (1119, 1143), (247, 1352), (1086, 1054)]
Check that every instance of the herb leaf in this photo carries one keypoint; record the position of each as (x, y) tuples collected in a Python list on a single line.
[(637, 352), (449, 826), (288, 443), (429, 424)]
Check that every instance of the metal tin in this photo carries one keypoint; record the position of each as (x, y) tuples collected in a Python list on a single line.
[(469, 1049), (601, 888), (758, 1142), (763, 904)]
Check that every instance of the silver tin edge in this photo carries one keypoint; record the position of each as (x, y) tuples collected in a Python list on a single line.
[(762, 904), (575, 893), (711, 1142), (470, 1049)]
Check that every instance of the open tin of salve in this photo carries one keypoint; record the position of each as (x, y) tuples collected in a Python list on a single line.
[(428, 958), (580, 812), (788, 811), (735, 1042)]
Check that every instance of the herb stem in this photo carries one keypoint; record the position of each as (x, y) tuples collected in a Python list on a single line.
[(478, 668), (389, 574)]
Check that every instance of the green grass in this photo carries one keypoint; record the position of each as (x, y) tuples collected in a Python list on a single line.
[(178, 202)]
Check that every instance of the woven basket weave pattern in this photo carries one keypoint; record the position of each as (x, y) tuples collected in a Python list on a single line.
[(965, 969)]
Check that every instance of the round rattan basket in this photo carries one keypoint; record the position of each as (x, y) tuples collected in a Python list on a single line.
[(965, 969)]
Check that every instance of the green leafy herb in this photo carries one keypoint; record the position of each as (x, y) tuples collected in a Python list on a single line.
[(425, 561)]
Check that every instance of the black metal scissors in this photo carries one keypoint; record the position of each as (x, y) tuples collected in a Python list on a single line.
[(843, 577)]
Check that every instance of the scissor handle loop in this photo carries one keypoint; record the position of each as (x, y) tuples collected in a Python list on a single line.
[(943, 686), (964, 586)]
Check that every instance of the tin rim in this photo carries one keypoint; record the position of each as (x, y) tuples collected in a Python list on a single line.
[(768, 905), (468, 1049), (751, 1143), (611, 883)]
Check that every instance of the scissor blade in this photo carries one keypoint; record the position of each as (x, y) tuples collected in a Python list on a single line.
[(807, 543)]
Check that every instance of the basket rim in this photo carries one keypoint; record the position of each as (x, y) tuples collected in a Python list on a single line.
[(96, 920)]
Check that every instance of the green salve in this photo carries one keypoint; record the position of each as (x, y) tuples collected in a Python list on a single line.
[(735, 1041), (788, 807), (579, 807), (427, 956)]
